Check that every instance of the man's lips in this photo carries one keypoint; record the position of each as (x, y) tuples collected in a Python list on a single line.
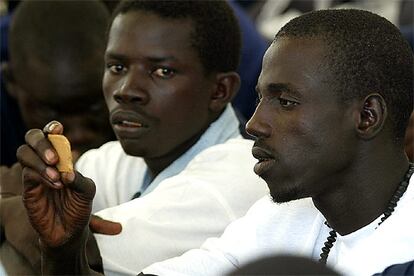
[(125, 122), (266, 160)]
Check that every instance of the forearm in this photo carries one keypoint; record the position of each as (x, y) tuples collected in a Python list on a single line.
[(68, 259)]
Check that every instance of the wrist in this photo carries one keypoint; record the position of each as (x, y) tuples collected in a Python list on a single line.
[(68, 258)]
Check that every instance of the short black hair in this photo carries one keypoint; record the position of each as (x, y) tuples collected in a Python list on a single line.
[(216, 36), (365, 53), (48, 30)]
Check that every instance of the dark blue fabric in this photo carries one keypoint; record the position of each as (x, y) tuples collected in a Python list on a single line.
[(253, 48), (12, 129), (408, 33), (4, 28), (403, 269)]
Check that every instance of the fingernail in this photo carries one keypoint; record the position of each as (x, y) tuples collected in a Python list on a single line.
[(52, 174), (51, 126), (50, 155)]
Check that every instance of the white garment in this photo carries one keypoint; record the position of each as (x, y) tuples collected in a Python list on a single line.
[(189, 204), (298, 228)]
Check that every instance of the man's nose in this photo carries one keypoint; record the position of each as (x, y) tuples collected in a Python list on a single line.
[(132, 89), (258, 125)]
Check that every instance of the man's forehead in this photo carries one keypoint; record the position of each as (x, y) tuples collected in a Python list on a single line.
[(294, 62), (289, 51)]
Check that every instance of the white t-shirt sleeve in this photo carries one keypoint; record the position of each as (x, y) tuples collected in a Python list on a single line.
[(266, 229), (217, 256)]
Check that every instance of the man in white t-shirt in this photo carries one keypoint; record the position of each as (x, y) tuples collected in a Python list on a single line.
[(180, 171), (336, 93)]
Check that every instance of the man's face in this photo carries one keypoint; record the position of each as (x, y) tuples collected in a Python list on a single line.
[(304, 132), (68, 92), (154, 85)]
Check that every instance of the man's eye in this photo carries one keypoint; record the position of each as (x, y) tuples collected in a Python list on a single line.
[(163, 72), (287, 103), (116, 68)]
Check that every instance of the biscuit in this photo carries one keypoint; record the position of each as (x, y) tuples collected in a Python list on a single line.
[(62, 147)]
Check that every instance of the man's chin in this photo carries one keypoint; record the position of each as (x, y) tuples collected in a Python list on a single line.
[(130, 148), (282, 197)]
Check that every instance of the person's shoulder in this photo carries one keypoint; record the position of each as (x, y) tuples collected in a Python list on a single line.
[(398, 269)]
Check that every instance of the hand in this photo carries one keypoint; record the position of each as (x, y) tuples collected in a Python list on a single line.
[(24, 239), (58, 204)]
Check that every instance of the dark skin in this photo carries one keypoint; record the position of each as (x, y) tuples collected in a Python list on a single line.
[(155, 87), (335, 151)]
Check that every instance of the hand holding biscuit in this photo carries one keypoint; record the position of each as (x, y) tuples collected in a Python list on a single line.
[(58, 199)]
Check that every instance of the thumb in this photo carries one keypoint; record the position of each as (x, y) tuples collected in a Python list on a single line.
[(102, 226), (76, 181)]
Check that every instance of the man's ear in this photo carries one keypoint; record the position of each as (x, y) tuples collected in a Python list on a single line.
[(227, 85), (9, 80), (372, 115)]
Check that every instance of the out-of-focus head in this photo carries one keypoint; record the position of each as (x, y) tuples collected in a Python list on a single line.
[(56, 67), (332, 83), (170, 72)]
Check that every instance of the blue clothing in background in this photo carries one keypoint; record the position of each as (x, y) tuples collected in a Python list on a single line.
[(12, 129), (253, 48), (403, 269)]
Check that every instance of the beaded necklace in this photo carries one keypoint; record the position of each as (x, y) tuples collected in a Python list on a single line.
[(402, 187)]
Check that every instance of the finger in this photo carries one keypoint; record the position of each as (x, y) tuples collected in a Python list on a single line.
[(79, 183), (29, 158), (53, 127), (36, 139), (32, 179), (102, 226)]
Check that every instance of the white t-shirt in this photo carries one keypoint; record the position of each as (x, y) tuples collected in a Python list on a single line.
[(196, 197), (298, 228)]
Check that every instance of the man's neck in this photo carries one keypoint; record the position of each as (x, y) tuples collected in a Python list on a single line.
[(363, 194)]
